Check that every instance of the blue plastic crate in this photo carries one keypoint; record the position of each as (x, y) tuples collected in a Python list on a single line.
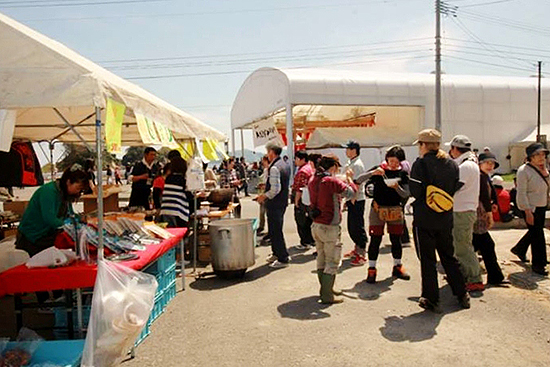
[(167, 260), (169, 293), (158, 307), (169, 279), (66, 353), (61, 316), (144, 334)]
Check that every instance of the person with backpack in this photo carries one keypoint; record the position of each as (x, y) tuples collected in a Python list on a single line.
[(391, 188), (434, 180), (482, 240), (532, 198), (326, 192)]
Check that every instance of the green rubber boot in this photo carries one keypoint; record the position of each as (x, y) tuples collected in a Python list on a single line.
[(336, 292), (327, 295)]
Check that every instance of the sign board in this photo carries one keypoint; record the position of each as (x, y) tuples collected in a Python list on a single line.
[(265, 132)]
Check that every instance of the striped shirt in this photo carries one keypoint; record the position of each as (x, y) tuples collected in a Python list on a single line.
[(174, 199)]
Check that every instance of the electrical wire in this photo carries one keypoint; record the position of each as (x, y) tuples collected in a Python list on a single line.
[(50, 4), (489, 63)]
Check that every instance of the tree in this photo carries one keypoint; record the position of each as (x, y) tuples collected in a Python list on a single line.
[(79, 154), (133, 155)]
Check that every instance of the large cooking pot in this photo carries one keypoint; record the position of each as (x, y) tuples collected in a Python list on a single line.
[(232, 245)]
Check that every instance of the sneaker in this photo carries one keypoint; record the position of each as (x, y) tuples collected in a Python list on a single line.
[(350, 254), (271, 258), (278, 264), (400, 273), (302, 247), (371, 275), (475, 287), (464, 301), (429, 305), (358, 260)]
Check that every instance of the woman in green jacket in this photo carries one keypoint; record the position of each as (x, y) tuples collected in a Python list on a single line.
[(48, 208)]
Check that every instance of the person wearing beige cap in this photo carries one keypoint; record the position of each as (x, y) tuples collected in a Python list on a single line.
[(466, 201), (433, 229)]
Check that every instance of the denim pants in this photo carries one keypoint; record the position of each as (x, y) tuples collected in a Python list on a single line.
[(463, 232), (275, 221), (328, 245)]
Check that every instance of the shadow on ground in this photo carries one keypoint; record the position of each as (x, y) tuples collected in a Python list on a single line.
[(211, 282), (419, 326), (304, 309), (370, 292), (525, 279)]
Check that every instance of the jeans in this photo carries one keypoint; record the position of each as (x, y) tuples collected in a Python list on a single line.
[(303, 224), (535, 238), (275, 220), (356, 225), (329, 247), (427, 242), (463, 232)]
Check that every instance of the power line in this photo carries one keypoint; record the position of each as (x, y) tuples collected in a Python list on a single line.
[(502, 45), (50, 4), (489, 63), (504, 22), (487, 3)]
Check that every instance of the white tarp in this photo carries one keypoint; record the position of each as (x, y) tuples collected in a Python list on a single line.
[(38, 74)]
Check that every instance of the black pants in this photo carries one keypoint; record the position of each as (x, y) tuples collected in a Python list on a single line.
[(140, 198), (303, 223), (275, 220), (535, 238), (396, 247), (430, 240), (485, 244), (356, 223)]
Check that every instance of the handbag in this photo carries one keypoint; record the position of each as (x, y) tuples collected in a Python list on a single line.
[(437, 199)]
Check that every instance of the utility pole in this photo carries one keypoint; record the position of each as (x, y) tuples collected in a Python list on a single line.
[(438, 65), (538, 104)]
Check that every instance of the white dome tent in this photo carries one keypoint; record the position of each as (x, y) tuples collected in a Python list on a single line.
[(492, 111)]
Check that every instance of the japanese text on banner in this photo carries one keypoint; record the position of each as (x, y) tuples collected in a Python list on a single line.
[(113, 125)]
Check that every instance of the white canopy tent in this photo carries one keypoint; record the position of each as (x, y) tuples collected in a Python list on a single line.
[(49, 92), (492, 111), (517, 148)]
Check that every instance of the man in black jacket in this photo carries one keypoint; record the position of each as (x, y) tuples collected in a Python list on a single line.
[(433, 230), (142, 179)]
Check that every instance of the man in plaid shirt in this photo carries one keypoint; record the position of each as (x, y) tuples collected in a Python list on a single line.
[(301, 180)]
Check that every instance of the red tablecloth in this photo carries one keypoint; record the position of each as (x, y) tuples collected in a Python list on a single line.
[(79, 275)]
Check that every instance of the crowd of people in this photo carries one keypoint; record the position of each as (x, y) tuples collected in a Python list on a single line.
[(456, 201)]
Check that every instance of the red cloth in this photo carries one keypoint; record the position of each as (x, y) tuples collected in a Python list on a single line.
[(503, 197), (159, 182), (79, 275)]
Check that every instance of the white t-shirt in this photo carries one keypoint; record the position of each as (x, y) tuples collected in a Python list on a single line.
[(467, 198)]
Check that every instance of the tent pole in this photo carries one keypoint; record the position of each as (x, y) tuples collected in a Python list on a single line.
[(50, 144), (242, 143), (71, 127), (99, 151), (233, 142), (290, 139)]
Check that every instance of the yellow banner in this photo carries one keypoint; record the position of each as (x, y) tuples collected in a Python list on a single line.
[(209, 149), (114, 115), (165, 135), (147, 130), (187, 150)]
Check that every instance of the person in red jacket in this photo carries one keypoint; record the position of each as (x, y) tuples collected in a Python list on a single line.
[(502, 213), (326, 192)]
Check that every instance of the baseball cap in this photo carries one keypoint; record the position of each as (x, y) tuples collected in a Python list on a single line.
[(428, 136), (352, 144), (497, 180), (487, 157), (460, 141), (534, 148)]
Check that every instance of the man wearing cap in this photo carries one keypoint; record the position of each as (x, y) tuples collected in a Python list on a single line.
[(356, 208), (433, 230), (465, 205), (276, 201), (532, 197)]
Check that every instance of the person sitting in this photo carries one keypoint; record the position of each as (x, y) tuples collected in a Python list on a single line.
[(48, 208), (517, 212), (502, 213)]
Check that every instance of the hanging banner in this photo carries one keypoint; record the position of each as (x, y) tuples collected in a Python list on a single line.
[(147, 131), (186, 150), (165, 136), (7, 127), (209, 149), (222, 152), (114, 115), (265, 132)]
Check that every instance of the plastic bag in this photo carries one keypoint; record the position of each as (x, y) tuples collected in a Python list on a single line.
[(52, 257), (195, 175), (122, 302), (20, 354)]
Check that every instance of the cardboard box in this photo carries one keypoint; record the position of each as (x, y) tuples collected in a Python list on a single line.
[(18, 207)]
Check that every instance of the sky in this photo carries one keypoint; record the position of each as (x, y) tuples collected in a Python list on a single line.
[(195, 54)]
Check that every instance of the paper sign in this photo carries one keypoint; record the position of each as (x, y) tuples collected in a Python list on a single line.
[(165, 135), (265, 132), (114, 115), (147, 130)]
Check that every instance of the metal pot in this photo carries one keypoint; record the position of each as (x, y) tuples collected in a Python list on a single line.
[(232, 245)]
